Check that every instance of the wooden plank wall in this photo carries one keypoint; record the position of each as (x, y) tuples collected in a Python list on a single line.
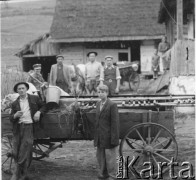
[(182, 58)]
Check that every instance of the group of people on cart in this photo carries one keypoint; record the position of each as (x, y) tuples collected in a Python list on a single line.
[(27, 110), (76, 83)]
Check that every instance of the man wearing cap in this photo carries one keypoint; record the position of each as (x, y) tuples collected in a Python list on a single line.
[(92, 73), (60, 75), (36, 75), (110, 76), (26, 111)]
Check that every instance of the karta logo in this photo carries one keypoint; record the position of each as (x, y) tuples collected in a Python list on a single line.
[(147, 169)]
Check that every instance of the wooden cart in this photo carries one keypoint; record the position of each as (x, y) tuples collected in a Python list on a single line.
[(146, 128), (129, 73)]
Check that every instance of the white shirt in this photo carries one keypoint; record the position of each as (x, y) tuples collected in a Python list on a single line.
[(93, 70), (26, 117)]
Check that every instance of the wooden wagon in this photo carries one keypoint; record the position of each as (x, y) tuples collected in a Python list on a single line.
[(129, 73), (146, 128)]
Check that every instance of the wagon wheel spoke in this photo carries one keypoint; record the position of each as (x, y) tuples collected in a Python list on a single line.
[(44, 146), (154, 159), (5, 161), (156, 137), (4, 154), (163, 157), (137, 150), (149, 135), (140, 136), (165, 150), (133, 142), (160, 143), (40, 150), (11, 163), (10, 142), (39, 147)]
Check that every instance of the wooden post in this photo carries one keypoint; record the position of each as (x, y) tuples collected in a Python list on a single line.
[(179, 14), (179, 58)]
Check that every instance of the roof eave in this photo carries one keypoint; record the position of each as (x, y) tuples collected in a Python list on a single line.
[(101, 39)]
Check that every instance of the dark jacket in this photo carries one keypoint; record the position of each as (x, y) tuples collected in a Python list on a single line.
[(35, 105), (107, 125)]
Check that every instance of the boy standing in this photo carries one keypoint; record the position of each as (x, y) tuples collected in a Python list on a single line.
[(106, 135), (155, 64)]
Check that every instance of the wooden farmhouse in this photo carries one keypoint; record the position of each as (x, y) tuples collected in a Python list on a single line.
[(179, 19), (126, 29)]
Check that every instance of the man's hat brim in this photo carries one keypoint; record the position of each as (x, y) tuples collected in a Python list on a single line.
[(36, 66), (92, 53), (60, 56), (111, 57), (16, 86)]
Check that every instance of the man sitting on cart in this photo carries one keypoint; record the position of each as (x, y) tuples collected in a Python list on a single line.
[(26, 111), (36, 78), (110, 76)]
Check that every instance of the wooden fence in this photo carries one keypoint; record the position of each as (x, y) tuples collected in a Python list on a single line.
[(9, 77)]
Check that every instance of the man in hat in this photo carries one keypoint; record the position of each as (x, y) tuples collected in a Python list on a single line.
[(110, 76), (92, 73), (26, 111), (36, 78), (60, 75)]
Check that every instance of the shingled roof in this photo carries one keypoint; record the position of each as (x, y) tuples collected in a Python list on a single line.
[(106, 20)]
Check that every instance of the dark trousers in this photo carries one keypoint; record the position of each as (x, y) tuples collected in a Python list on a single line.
[(111, 87), (63, 86), (22, 150), (92, 85), (107, 160)]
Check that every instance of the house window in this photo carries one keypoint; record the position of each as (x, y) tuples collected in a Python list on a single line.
[(123, 56)]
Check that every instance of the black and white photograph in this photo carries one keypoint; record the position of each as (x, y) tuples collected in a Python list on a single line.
[(97, 89)]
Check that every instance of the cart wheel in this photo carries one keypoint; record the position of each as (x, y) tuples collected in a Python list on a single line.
[(6, 153), (40, 150), (151, 143), (134, 81)]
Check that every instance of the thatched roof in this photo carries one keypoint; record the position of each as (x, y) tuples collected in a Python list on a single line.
[(105, 20)]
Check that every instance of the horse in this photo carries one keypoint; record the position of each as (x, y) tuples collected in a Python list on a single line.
[(78, 86)]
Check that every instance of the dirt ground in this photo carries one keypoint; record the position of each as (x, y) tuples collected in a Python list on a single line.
[(77, 160)]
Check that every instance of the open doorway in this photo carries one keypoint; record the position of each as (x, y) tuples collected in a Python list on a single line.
[(45, 61), (135, 52)]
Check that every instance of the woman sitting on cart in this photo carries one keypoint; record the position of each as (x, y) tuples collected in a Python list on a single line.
[(110, 76)]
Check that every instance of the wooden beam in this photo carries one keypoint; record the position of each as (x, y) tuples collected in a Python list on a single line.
[(179, 19)]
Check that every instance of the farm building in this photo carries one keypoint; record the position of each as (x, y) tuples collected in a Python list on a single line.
[(127, 29), (182, 39)]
